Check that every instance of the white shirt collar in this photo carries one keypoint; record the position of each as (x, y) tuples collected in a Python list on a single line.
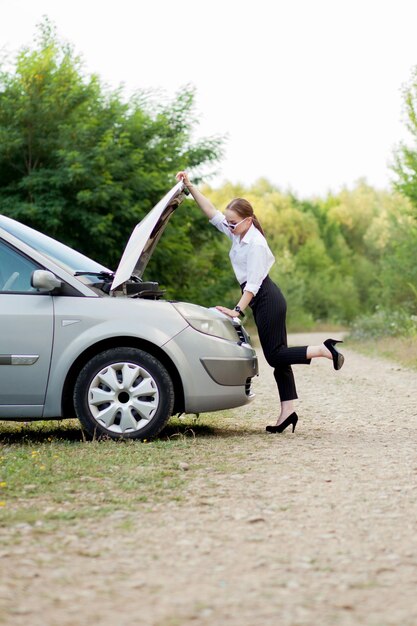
[(249, 235)]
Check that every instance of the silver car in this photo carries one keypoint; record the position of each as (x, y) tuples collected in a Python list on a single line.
[(77, 339)]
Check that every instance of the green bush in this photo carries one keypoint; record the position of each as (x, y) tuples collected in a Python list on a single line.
[(384, 323)]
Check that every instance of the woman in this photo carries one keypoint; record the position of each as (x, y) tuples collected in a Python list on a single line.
[(251, 260)]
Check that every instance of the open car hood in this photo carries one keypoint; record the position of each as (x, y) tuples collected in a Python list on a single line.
[(145, 236)]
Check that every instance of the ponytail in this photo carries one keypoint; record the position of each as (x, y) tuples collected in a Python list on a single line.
[(257, 224)]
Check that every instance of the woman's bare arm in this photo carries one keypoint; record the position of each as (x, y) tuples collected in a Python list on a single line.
[(204, 204), (243, 303)]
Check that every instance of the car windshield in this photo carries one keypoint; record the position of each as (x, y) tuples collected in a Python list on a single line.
[(64, 256)]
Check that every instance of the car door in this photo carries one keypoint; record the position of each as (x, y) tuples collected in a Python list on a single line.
[(26, 336)]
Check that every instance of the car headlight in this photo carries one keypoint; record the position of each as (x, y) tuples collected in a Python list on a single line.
[(205, 321)]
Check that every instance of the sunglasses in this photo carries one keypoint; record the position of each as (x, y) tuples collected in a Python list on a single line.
[(233, 226)]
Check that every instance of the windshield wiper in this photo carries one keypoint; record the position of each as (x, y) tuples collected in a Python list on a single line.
[(103, 275)]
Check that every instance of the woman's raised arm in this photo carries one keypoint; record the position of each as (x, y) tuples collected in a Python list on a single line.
[(204, 204)]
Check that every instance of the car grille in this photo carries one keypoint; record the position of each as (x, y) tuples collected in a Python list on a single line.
[(242, 334), (248, 385)]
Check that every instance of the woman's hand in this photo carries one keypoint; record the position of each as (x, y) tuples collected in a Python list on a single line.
[(184, 177), (203, 202), (226, 311)]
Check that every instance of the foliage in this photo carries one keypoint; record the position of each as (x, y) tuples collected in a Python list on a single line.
[(338, 257), (84, 166), (80, 163), (399, 266), (384, 323), (405, 157)]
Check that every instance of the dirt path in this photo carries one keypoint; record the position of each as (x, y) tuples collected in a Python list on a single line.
[(319, 527)]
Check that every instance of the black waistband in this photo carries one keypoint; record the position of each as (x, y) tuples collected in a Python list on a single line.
[(266, 281)]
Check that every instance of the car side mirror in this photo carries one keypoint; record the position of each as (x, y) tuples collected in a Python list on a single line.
[(45, 280)]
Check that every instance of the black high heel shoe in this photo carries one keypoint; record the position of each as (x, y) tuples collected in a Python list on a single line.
[(338, 358), (291, 419)]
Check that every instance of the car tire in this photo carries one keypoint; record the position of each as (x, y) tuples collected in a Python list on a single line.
[(123, 393)]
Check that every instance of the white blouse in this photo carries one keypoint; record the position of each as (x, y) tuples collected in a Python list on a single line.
[(250, 256)]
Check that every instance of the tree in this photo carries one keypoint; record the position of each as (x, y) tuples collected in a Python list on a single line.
[(337, 257), (405, 157), (83, 165), (400, 288)]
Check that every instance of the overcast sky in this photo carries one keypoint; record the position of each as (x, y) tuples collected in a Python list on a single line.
[(308, 92)]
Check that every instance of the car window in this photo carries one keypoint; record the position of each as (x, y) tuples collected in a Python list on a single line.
[(15, 270), (64, 256)]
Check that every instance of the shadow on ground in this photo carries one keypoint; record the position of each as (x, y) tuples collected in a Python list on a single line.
[(70, 431)]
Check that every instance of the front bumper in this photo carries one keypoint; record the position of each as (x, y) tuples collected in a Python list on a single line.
[(215, 373), (230, 370)]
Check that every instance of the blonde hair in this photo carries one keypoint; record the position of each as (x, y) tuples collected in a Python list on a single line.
[(244, 209)]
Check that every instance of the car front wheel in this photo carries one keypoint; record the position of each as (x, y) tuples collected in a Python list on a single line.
[(123, 393)]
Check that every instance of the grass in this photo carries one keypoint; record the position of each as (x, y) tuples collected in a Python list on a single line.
[(402, 350), (49, 475)]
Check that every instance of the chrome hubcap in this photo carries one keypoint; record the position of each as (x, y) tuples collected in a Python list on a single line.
[(123, 397)]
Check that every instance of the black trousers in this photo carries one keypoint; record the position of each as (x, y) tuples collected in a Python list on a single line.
[(269, 311)]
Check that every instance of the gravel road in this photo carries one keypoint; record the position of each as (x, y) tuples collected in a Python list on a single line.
[(316, 527)]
